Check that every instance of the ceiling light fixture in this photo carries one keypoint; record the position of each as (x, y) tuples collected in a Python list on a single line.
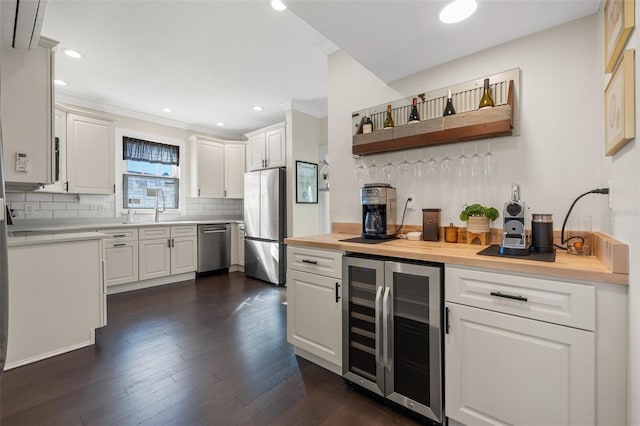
[(167, 110), (73, 53), (220, 123), (257, 108), (60, 83), (278, 5), (457, 11)]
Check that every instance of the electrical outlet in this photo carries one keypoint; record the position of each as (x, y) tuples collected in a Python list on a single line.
[(610, 195), (102, 210), (411, 203), (29, 208)]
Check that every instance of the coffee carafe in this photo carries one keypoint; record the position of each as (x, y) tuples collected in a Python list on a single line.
[(378, 210)]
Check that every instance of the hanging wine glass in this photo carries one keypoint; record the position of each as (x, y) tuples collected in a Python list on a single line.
[(463, 165), (489, 162), (387, 171), (360, 171), (373, 169), (432, 166), (404, 167), (445, 166), (476, 163), (419, 167)]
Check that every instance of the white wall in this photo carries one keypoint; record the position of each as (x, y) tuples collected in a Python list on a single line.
[(304, 135), (554, 159)]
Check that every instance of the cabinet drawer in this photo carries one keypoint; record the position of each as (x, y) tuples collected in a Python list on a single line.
[(153, 233), (127, 234), (542, 299), (184, 230), (321, 262)]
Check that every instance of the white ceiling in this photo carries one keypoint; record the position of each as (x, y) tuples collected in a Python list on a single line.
[(212, 61)]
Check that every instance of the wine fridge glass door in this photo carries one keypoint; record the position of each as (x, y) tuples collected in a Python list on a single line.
[(413, 337)]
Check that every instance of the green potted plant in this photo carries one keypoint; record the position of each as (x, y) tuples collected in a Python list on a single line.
[(478, 217)]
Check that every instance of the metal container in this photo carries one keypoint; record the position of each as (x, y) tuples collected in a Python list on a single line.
[(542, 233), (431, 224)]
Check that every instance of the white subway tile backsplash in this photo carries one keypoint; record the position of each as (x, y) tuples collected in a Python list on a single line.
[(38, 196), (17, 205), (40, 214), (88, 213), (65, 214), (65, 197), (76, 206), (15, 196), (52, 206)]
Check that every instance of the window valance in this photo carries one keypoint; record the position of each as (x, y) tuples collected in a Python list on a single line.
[(153, 152)]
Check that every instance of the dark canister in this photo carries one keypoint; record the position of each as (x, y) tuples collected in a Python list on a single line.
[(541, 233), (431, 224)]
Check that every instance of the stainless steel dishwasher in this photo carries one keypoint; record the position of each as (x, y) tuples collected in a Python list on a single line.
[(214, 247)]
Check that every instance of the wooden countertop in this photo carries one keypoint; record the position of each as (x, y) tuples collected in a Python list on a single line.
[(566, 265)]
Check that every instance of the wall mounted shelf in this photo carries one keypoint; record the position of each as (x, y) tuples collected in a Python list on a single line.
[(465, 126)]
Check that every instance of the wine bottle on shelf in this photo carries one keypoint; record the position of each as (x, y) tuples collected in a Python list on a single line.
[(449, 109), (486, 101), (388, 122), (367, 125), (414, 117)]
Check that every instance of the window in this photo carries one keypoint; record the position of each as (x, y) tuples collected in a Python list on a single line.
[(150, 167)]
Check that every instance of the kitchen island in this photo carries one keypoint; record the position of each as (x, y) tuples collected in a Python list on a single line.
[(544, 334)]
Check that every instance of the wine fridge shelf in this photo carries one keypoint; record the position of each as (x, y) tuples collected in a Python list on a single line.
[(467, 125)]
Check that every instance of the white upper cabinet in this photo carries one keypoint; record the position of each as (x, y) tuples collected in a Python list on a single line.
[(26, 102), (216, 168), (267, 148), (90, 155)]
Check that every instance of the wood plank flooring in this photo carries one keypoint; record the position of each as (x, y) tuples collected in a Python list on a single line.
[(205, 352)]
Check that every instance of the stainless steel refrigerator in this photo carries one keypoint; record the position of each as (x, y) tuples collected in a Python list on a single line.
[(265, 225)]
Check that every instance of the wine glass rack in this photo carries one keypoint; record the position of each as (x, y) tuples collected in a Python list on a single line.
[(468, 124)]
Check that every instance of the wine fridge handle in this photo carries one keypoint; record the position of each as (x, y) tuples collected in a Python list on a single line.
[(386, 329), (379, 327)]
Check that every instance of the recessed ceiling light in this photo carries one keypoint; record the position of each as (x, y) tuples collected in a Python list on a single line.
[(457, 11), (167, 110), (278, 5), (257, 108), (60, 83), (220, 123), (73, 53)]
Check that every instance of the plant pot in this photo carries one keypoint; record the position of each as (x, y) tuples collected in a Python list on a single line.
[(478, 224)]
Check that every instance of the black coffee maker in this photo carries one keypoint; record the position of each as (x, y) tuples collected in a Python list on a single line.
[(378, 210)]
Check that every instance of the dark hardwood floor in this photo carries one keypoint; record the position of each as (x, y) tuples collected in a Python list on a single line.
[(205, 352)]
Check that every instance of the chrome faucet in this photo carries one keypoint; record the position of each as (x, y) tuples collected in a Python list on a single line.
[(159, 191)]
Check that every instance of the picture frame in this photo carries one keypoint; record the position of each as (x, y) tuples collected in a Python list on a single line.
[(619, 20), (306, 183), (619, 104)]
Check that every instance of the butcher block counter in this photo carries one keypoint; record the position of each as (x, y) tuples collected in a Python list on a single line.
[(565, 266)]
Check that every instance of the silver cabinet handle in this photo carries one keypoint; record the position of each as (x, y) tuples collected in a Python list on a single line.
[(379, 343), (218, 231), (386, 329), (509, 296)]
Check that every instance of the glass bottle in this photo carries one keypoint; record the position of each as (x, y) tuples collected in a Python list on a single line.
[(388, 122), (414, 117), (486, 101), (367, 125), (449, 109)]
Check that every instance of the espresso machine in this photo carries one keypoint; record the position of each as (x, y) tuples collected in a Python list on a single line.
[(378, 211), (514, 237)]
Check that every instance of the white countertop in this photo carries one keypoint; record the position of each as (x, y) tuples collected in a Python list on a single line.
[(77, 225), (16, 239)]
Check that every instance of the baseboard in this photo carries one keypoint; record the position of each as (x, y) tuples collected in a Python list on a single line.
[(139, 285), (337, 369), (50, 354), (236, 268)]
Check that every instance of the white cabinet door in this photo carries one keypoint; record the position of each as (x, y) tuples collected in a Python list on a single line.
[(90, 155), (275, 148), (154, 258), (210, 169), (314, 314), (121, 260), (256, 155), (234, 161), (27, 111), (507, 370), (184, 254), (60, 132)]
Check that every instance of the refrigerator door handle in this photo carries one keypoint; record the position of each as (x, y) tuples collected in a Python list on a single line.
[(379, 355), (386, 328)]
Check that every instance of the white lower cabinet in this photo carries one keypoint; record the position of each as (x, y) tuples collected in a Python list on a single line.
[(121, 262), (314, 309), (155, 258), (506, 363), (184, 254)]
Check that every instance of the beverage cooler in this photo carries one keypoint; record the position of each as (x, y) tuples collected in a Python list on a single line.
[(392, 331)]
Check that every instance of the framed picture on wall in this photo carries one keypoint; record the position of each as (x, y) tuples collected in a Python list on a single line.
[(306, 183), (619, 105), (619, 20)]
